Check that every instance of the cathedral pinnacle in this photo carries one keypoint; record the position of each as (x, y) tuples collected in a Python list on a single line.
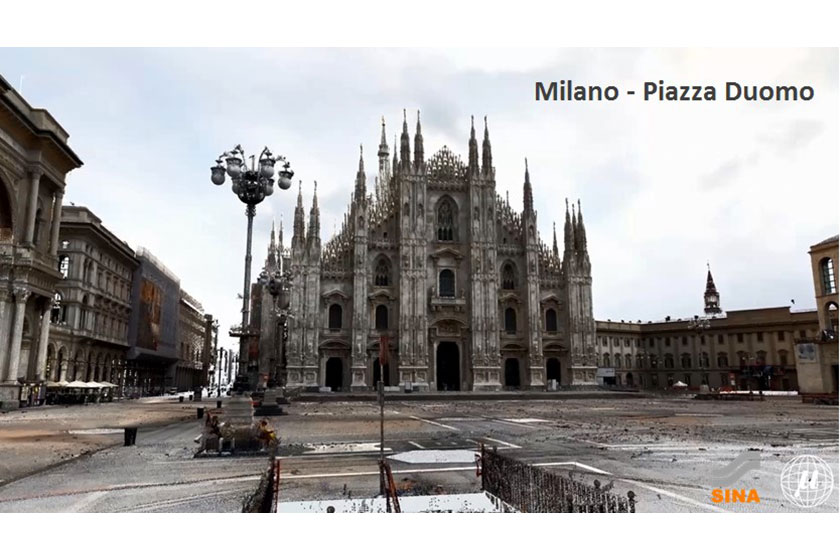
[(580, 234), (405, 150), (298, 232), (486, 152), (711, 297), (360, 176), (418, 146), (383, 144), (473, 163), (554, 248), (527, 194)]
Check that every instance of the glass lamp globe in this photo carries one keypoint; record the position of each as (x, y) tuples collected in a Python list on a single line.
[(217, 174), (234, 166), (284, 179)]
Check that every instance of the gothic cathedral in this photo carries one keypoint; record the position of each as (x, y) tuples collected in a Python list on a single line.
[(432, 281)]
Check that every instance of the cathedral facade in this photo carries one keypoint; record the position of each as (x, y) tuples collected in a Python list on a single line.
[(432, 281)]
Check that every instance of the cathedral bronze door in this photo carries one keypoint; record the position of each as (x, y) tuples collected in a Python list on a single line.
[(448, 370), (512, 373), (552, 370), (335, 371), (379, 374)]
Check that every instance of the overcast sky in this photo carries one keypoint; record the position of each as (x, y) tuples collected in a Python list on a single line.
[(665, 186)]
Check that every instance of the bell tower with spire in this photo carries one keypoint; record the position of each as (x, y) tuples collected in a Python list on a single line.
[(711, 297)]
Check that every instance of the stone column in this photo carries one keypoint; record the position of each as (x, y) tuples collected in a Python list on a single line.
[(56, 222), (4, 337), (35, 181), (21, 295), (43, 338)]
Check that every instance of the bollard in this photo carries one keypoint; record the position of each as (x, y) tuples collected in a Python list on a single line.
[(200, 412), (181, 398), (218, 404), (130, 436)]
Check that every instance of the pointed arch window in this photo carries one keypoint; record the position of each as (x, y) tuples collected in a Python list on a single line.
[(335, 316), (382, 272), (510, 320), (550, 320), (446, 220), (508, 277)]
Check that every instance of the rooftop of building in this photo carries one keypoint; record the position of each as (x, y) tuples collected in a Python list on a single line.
[(38, 121), (826, 242), (81, 215)]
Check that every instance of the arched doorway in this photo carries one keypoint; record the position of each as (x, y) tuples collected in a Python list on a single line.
[(334, 374), (552, 370), (448, 367), (512, 373), (378, 373), (628, 380)]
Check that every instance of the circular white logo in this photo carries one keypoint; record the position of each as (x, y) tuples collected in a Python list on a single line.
[(807, 481)]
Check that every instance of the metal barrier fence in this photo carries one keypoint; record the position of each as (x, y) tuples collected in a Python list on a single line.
[(531, 489)]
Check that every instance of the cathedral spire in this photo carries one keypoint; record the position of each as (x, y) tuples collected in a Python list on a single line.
[(486, 152), (360, 176), (418, 146), (384, 178), (314, 232), (580, 234), (272, 245), (711, 297), (527, 193), (280, 237), (396, 161), (568, 234), (473, 165), (554, 249), (298, 232), (405, 150)]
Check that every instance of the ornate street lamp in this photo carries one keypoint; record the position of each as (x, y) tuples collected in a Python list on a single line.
[(251, 185)]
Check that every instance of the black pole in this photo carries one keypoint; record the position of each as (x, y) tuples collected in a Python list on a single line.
[(381, 389), (244, 341)]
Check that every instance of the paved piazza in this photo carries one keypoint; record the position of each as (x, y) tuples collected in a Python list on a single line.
[(665, 449)]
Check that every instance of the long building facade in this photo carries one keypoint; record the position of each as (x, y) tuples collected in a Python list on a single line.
[(435, 282), (92, 302), (34, 161)]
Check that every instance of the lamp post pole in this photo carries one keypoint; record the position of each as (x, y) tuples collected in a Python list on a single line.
[(251, 186)]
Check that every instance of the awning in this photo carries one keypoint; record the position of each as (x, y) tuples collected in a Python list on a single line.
[(61, 383), (77, 385)]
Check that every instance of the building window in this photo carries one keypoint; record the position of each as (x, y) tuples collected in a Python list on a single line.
[(606, 360), (640, 361), (783, 358), (335, 316), (508, 277), (628, 361), (720, 339), (685, 361), (685, 340), (654, 361), (381, 318), (760, 358), (803, 334), (446, 220), (651, 343), (382, 272), (667, 341), (780, 336), (669, 361), (704, 360), (759, 337), (447, 283), (550, 320), (510, 320), (827, 275), (740, 337), (58, 312), (64, 265), (702, 339)]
